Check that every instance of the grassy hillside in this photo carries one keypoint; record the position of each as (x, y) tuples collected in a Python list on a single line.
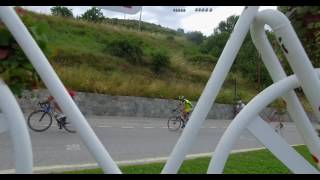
[(78, 51)]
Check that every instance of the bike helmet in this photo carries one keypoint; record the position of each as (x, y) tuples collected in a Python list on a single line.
[(181, 98)]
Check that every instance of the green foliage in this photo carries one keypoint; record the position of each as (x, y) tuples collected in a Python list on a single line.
[(202, 59), (160, 59), (195, 36), (306, 22), (247, 59), (191, 51), (94, 15), (15, 68), (215, 43), (145, 26), (180, 30), (129, 49), (61, 11), (228, 25), (79, 47), (170, 38)]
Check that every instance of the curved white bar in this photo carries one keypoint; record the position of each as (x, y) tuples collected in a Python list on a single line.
[(247, 115), (295, 54), (210, 91), (283, 151), (18, 130), (56, 88), (277, 73)]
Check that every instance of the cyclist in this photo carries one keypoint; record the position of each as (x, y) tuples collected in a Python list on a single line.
[(57, 110), (239, 106), (185, 107), (280, 111)]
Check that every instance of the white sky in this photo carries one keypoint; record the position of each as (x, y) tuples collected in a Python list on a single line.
[(189, 20)]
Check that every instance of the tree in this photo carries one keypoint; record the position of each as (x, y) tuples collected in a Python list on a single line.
[(214, 44), (61, 11), (195, 36), (228, 25), (94, 14), (180, 30), (247, 59), (306, 22)]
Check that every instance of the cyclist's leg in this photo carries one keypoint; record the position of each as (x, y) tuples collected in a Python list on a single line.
[(57, 107), (281, 122), (60, 116), (187, 116), (183, 119)]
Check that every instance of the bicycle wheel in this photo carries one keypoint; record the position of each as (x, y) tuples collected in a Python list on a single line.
[(174, 123), (39, 120), (69, 127)]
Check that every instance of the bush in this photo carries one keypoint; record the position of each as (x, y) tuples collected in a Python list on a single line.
[(94, 14), (191, 51), (196, 37), (170, 38), (129, 49), (61, 11), (202, 59), (160, 59), (15, 68), (180, 30)]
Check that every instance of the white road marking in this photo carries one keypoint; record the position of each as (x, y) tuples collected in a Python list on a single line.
[(73, 147), (148, 127), (212, 127), (127, 127), (103, 126), (61, 168)]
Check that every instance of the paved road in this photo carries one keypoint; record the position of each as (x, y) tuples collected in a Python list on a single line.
[(126, 139)]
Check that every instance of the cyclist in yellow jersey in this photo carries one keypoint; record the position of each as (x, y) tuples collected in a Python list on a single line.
[(185, 107)]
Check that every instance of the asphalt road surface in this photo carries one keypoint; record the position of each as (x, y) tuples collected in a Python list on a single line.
[(125, 138)]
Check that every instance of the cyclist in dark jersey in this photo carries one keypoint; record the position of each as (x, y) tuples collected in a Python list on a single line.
[(58, 112)]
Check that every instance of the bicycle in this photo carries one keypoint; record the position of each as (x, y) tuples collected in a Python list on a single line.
[(176, 122), (41, 119)]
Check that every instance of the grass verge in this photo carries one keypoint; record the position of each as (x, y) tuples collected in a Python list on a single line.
[(253, 162)]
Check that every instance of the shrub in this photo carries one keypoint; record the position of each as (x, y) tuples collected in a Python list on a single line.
[(180, 30), (61, 11), (170, 38), (160, 59), (94, 14), (202, 59), (191, 51), (15, 68), (126, 48), (196, 37)]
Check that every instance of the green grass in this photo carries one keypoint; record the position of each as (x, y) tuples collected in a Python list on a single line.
[(77, 51), (254, 162)]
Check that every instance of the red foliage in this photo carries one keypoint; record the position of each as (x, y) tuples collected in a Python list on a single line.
[(4, 53), (20, 11)]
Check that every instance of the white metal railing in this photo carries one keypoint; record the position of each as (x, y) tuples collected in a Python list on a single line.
[(305, 76)]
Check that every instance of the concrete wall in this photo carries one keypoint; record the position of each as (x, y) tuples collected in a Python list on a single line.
[(100, 104)]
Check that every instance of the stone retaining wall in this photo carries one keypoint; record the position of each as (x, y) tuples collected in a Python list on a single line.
[(106, 105)]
